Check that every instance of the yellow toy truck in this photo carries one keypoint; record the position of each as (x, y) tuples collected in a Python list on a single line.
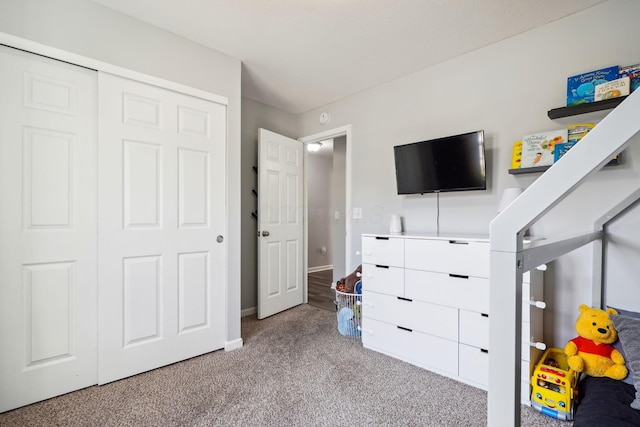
[(554, 390)]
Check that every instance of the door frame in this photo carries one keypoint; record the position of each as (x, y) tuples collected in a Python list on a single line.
[(316, 137)]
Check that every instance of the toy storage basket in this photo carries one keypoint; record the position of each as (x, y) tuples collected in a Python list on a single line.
[(349, 311)]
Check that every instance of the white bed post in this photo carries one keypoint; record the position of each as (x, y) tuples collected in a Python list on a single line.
[(505, 329), (505, 326)]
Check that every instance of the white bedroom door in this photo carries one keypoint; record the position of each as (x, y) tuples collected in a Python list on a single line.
[(48, 284), (280, 223), (162, 225)]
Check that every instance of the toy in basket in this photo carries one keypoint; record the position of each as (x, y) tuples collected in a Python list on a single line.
[(349, 303), (554, 385), (349, 307)]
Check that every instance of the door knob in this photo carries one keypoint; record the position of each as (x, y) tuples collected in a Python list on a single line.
[(220, 239), (265, 233)]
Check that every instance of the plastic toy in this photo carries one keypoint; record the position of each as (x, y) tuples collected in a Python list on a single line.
[(554, 389)]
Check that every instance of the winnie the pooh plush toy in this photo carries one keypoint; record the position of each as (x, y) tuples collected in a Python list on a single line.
[(591, 351)]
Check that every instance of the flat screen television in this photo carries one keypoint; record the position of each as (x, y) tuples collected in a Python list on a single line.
[(452, 163)]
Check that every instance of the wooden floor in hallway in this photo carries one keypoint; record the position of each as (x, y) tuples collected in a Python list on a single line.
[(320, 293)]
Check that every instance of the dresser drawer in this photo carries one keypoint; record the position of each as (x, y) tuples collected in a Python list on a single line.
[(383, 279), (474, 365), (387, 251), (424, 350), (415, 315), (467, 258), (474, 329), (465, 292)]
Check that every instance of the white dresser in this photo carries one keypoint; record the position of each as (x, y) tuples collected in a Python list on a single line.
[(426, 301)]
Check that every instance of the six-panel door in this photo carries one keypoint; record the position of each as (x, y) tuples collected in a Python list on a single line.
[(162, 276), (48, 287)]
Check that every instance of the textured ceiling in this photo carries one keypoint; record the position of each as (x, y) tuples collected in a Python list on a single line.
[(298, 55)]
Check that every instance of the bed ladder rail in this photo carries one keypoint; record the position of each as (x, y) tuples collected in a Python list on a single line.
[(507, 260)]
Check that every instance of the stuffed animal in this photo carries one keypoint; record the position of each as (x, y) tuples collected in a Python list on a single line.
[(590, 352), (346, 326), (347, 284)]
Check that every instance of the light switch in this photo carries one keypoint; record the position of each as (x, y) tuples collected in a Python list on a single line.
[(357, 213), (336, 215)]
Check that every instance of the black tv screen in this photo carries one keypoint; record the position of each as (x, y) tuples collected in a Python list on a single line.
[(452, 163)]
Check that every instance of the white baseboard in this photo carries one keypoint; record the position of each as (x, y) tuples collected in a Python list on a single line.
[(320, 268), (233, 345), (248, 311)]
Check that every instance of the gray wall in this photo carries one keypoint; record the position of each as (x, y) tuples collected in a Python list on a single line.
[(505, 89), (320, 213), (622, 255), (89, 29), (255, 116), (338, 182)]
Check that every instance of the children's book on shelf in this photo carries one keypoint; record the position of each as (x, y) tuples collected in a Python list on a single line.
[(516, 155), (538, 148), (633, 72), (561, 149), (581, 87), (578, 131), (612, 89), (575, 133)]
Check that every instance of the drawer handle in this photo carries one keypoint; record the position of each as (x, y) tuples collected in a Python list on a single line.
[(404, 329), (458, 276), (382, 266), (484, 351), (404, 299), (484, 315), (382, 238), (458, 242)]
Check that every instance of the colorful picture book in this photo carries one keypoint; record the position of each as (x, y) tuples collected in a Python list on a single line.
[(581, 87), (575, 133), (561, 149), (516, 155), (633, 72), (538, 148), (612, 89)]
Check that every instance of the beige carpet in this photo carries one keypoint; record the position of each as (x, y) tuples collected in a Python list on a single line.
[(294, 370)]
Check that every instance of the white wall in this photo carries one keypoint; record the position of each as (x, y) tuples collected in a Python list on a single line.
[(319, 170), (505, 89), (255, 116), (622, 255), (86, 28)]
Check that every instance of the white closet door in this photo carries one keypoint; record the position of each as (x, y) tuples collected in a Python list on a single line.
[(162, 267), (48, 285)]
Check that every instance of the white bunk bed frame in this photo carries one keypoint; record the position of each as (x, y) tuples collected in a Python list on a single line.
[(510, 257)]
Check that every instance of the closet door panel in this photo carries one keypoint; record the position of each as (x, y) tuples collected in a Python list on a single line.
[(48, 284), (162, 207)]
